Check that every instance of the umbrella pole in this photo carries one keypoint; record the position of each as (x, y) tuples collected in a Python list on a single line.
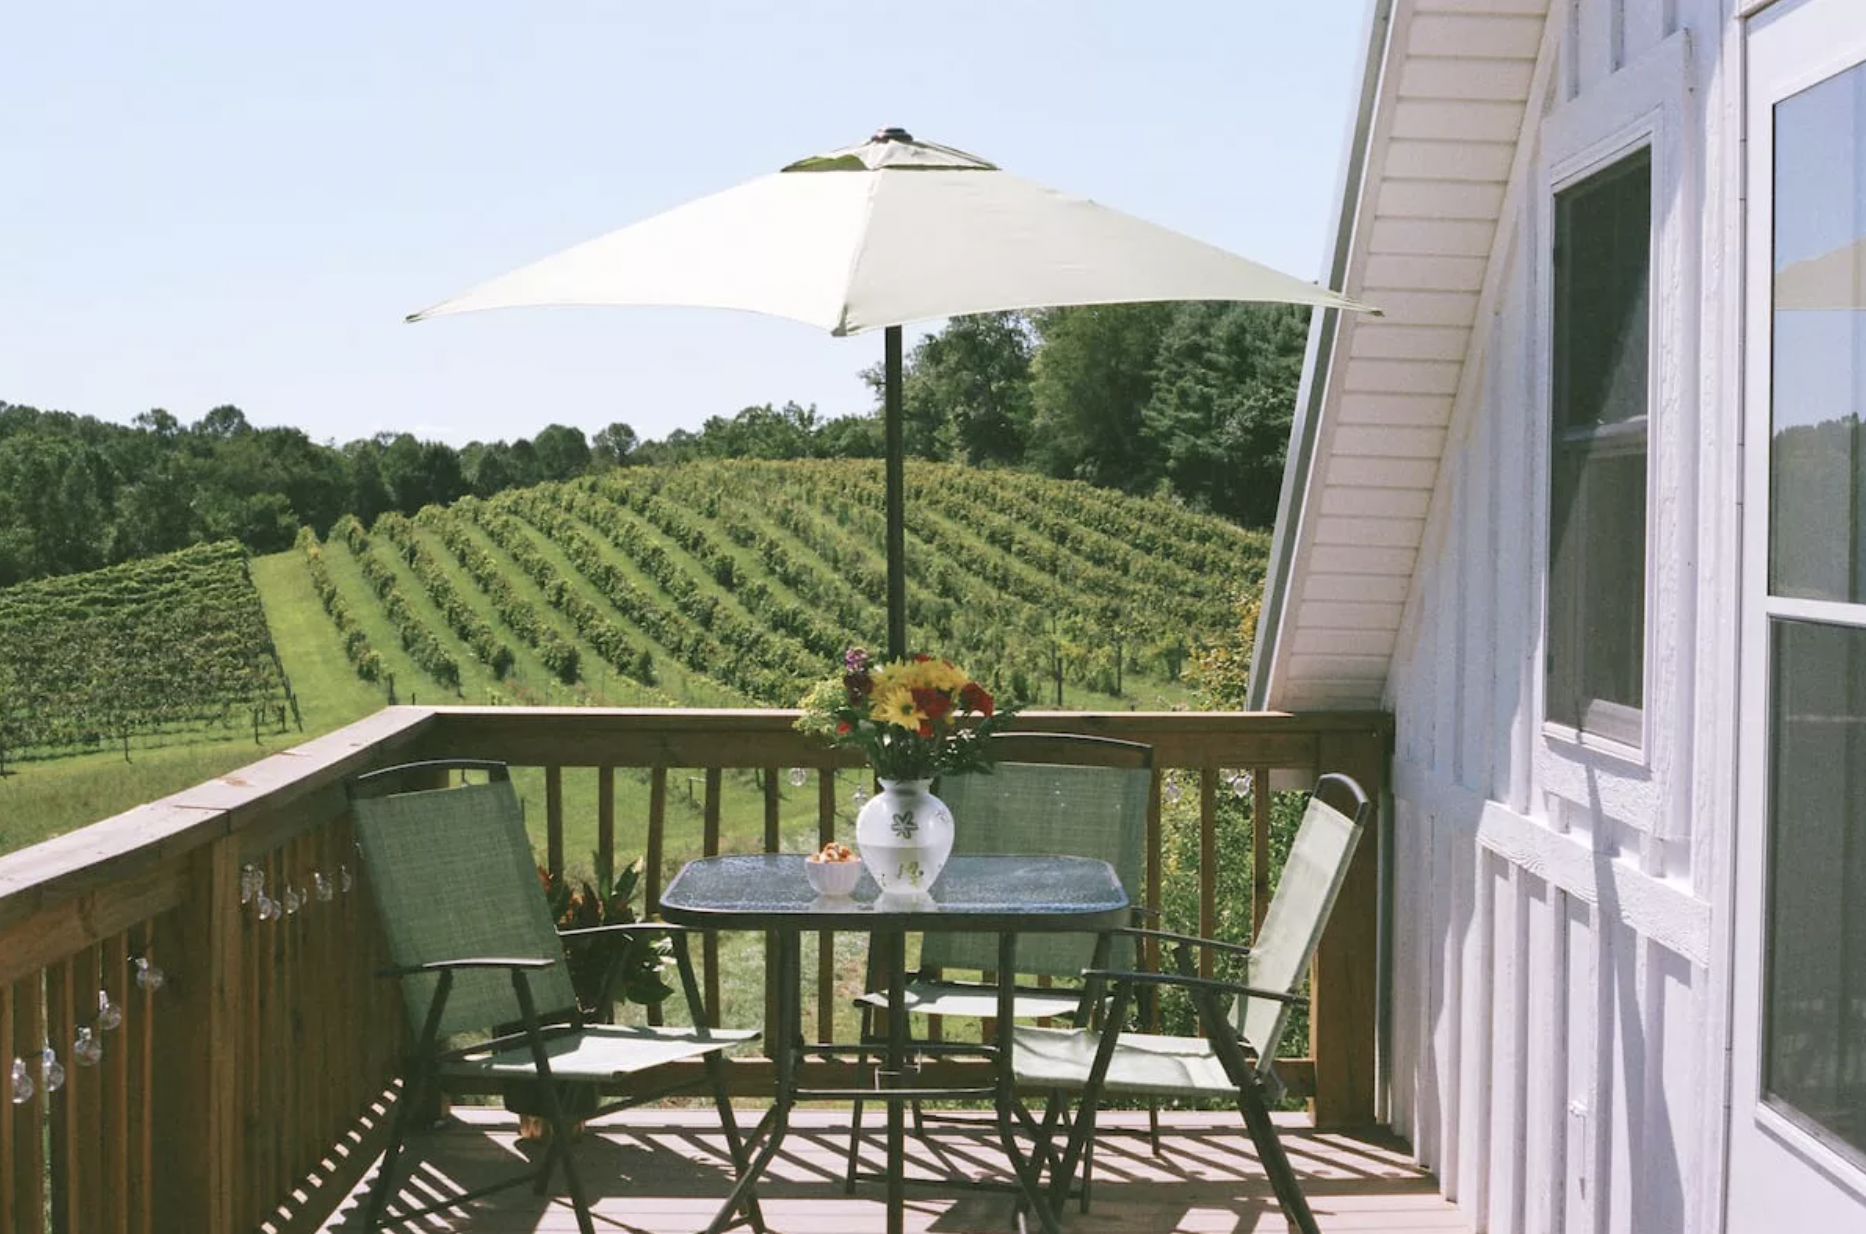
[(897, 500)]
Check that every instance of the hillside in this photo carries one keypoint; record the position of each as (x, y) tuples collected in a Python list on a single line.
[(732, 583), (172, 648), (741, 582)]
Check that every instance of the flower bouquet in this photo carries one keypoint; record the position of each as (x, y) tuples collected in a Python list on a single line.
[(913, 720)]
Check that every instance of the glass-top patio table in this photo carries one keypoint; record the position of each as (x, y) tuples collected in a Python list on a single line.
[(1002, 895)]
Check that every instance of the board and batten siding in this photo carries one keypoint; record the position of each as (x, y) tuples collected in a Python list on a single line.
[(1560, 947)]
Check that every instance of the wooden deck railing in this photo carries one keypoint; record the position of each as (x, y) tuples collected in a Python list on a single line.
[(248, 1089)]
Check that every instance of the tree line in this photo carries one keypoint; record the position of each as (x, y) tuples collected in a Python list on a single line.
[(1190, 401)]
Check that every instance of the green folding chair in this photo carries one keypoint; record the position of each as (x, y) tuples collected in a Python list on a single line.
[(1049, 793), (484, 979), (1235, 1058)]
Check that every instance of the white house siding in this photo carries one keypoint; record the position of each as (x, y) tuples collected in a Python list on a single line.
[(1559, 976)]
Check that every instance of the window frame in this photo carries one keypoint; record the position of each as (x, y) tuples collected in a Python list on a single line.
[(1636, 110)]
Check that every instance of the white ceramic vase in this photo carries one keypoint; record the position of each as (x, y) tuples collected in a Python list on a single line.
[(904, 833)]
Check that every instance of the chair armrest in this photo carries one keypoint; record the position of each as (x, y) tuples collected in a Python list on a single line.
[(1190, 939), (627, 927), (1193, 983), (442, 966)]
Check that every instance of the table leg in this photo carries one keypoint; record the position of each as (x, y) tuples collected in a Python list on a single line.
[(1028, 1170), (785, 1037), (895, 943)]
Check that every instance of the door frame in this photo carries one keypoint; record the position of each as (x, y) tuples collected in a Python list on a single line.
[(1761, 1144)]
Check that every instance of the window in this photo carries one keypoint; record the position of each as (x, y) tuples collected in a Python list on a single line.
[(1597, 486), (1814, 1059)]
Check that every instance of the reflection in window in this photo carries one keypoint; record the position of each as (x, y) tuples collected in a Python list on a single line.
[(1817, 462), (1597, 489), (1815, 1056)]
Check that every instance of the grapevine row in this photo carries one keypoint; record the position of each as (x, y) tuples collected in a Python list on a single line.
[(559, 654), (420, 642), (461, 618)]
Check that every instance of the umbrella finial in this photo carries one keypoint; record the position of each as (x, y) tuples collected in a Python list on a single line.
[(892, 134)]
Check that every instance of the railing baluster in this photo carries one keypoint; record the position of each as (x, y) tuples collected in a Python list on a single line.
[(825, 939), (606, 818), (554, 819), (139, 1038), (710, 846), (58, 1104), (773, 839), (27, 1162), (657, 841), (1156, 847), (85, 1101), (9, 1113), (1259, 848), (1208, 863)]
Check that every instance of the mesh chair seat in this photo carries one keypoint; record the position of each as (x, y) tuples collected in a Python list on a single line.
[(970, 998), (1143, 1065), (598, 1052)]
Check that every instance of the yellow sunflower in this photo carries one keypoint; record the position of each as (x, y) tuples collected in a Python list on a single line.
[(894, 704)]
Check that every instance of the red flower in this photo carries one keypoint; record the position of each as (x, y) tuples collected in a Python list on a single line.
[(926, 728), (934, 704), (922, 659), (843, 728), (975, 698)]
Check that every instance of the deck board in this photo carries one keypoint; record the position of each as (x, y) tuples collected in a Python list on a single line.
[(664, 1172)]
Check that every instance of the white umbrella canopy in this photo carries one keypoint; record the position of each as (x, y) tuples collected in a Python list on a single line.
[(878, 235)]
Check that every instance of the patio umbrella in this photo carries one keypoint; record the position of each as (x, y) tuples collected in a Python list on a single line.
[(878, 235)]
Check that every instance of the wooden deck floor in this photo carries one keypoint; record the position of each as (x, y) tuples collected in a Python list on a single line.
[(655, 1171)]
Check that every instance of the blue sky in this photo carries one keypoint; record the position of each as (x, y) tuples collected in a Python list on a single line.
[(238, 202)]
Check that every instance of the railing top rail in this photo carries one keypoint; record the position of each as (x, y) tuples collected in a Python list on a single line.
[(258, 797), (288, 792)]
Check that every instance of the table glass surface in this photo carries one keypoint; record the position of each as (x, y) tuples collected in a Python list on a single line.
[(972, 893)]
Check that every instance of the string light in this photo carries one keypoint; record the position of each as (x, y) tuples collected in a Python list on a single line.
[(798, 777), (109, 1014), (86, 1049), (22, 1083)]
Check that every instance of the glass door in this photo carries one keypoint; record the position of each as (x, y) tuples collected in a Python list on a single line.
[(1798, 1114)]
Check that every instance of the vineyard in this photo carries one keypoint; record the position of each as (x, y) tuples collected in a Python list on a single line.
[(741, 582), (168, 649)]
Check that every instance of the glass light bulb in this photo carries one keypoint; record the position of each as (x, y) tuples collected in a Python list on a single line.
[(798, 777), (320, 887), (344, 880), (268, 907), (250, 881), (149, 976), (87, 1050), (1241, 783), (22, 1083), (51, 1070), (109, 1014), (293, 900), (1172, 792), (859, 796)]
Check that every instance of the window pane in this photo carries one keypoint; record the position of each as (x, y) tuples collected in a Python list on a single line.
[(1815, 1056), (1817, 461), (1597, 536), (1603, 241)]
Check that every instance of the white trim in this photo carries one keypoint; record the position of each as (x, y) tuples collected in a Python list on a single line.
[(1662, 910), (1641, 106)]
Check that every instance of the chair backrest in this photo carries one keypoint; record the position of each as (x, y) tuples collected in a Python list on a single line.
[(1050, 793), (1305, 895), (453, 876)]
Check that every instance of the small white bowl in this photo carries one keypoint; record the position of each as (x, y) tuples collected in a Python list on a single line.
[(833, 878)]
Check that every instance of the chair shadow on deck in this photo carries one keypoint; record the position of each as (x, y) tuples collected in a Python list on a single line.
[(662, 1171)]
